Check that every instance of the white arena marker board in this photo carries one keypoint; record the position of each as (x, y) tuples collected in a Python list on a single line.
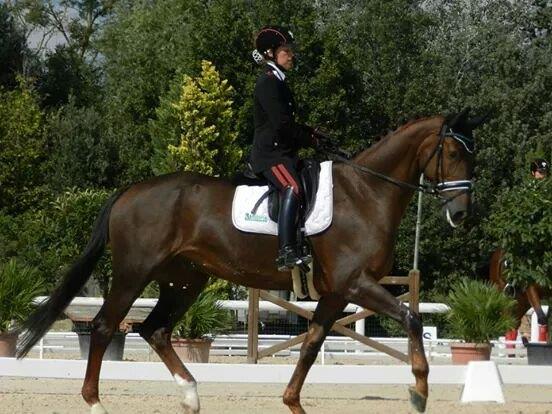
[(483, 383)]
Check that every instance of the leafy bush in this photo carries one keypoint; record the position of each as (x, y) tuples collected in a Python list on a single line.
[(81, 154), (207, 134), (205, 317), (522, 225), (19, 285), (479, 312), (22, 147), (50, 239)]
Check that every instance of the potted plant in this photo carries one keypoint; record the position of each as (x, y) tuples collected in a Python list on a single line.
[(478, 313), (19, 285), (193, 334)]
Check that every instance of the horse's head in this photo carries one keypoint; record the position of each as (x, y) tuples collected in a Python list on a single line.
[(446, 160)]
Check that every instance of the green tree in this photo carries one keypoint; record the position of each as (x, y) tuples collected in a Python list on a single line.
[(76, 21), (12, 49), (23, 148), (207, 134), (63, 35), (480, 54), (80, 154), (66, 76), (521, 224), (143, 45)]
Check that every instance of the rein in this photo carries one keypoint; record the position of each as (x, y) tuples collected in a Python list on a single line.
[(464, 186)]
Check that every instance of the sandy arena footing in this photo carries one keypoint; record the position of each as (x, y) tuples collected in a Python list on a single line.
[(57, 396)]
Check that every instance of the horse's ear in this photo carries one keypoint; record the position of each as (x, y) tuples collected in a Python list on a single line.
[(465, 112), (477, 121), (473, 123), (459, 118)]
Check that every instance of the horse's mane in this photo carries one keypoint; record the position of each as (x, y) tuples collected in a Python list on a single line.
[(389, 134)]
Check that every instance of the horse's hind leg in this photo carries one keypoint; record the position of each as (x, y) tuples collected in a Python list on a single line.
[(366, 292), (327, 311), (122, 295), (174, 299)]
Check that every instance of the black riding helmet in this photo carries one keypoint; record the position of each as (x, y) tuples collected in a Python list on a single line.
[(270, 38), (540, 165)]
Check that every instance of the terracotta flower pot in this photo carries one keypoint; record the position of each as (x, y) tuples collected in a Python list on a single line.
[(462, 353), (8, 344), (192, 350)]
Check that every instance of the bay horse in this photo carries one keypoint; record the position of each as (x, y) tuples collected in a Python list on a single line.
[(177, 230), (527, 297)]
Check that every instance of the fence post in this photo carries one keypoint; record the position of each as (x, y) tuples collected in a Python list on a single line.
[(253, 327), (414, 290), (360, 328), (414, 298)]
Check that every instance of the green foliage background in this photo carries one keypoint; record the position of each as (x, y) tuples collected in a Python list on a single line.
[(522, 226), (94, 112)]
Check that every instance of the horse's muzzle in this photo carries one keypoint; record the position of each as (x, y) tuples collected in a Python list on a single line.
[(457, 209)]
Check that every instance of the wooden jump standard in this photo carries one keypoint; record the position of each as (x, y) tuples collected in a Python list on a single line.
[(254, 354)]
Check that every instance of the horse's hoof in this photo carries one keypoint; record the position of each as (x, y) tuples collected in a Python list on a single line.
[(98, 408), (417, 400)]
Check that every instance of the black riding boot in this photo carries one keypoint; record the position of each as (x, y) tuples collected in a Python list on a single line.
[(288, 256)]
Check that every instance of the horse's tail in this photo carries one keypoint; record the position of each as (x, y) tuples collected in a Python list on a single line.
[(38, 323)]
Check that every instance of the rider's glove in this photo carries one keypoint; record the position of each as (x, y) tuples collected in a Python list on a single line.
[(323, 140)]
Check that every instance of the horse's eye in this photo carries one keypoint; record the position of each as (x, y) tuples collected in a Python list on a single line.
[(453, 155)]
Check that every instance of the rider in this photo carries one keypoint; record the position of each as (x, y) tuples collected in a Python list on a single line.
[(540, 168), (278, 137)]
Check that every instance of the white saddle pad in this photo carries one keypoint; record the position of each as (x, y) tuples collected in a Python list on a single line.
[(245, 198)]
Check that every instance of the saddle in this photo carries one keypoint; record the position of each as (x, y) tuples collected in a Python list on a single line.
[(255, 209), (309, 174)]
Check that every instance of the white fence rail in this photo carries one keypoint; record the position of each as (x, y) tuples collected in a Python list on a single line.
[(57, 343), (62, 343), (90, 306), (241, 307)]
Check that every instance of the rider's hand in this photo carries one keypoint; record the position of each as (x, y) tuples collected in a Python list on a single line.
[(320, 135), (323, 140)]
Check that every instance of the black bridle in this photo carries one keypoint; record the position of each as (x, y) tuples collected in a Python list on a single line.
[(434, 188)]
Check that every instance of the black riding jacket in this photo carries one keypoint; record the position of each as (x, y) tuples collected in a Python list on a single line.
[(277, 135)]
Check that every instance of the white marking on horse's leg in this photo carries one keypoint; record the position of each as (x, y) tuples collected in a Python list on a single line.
[(98, 408), (191, 399)]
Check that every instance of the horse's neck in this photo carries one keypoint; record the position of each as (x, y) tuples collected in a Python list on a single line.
[(396, 156)]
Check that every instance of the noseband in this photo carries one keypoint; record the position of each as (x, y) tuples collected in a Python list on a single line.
[(435, 189)]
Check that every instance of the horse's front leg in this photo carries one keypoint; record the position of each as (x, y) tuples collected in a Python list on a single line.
[(327, 311), (533, 296), (366, 292)]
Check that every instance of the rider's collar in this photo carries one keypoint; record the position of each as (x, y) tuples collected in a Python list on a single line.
[(279, 73)]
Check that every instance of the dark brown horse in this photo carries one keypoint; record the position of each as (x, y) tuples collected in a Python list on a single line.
[(526, 298), (177, 230)]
